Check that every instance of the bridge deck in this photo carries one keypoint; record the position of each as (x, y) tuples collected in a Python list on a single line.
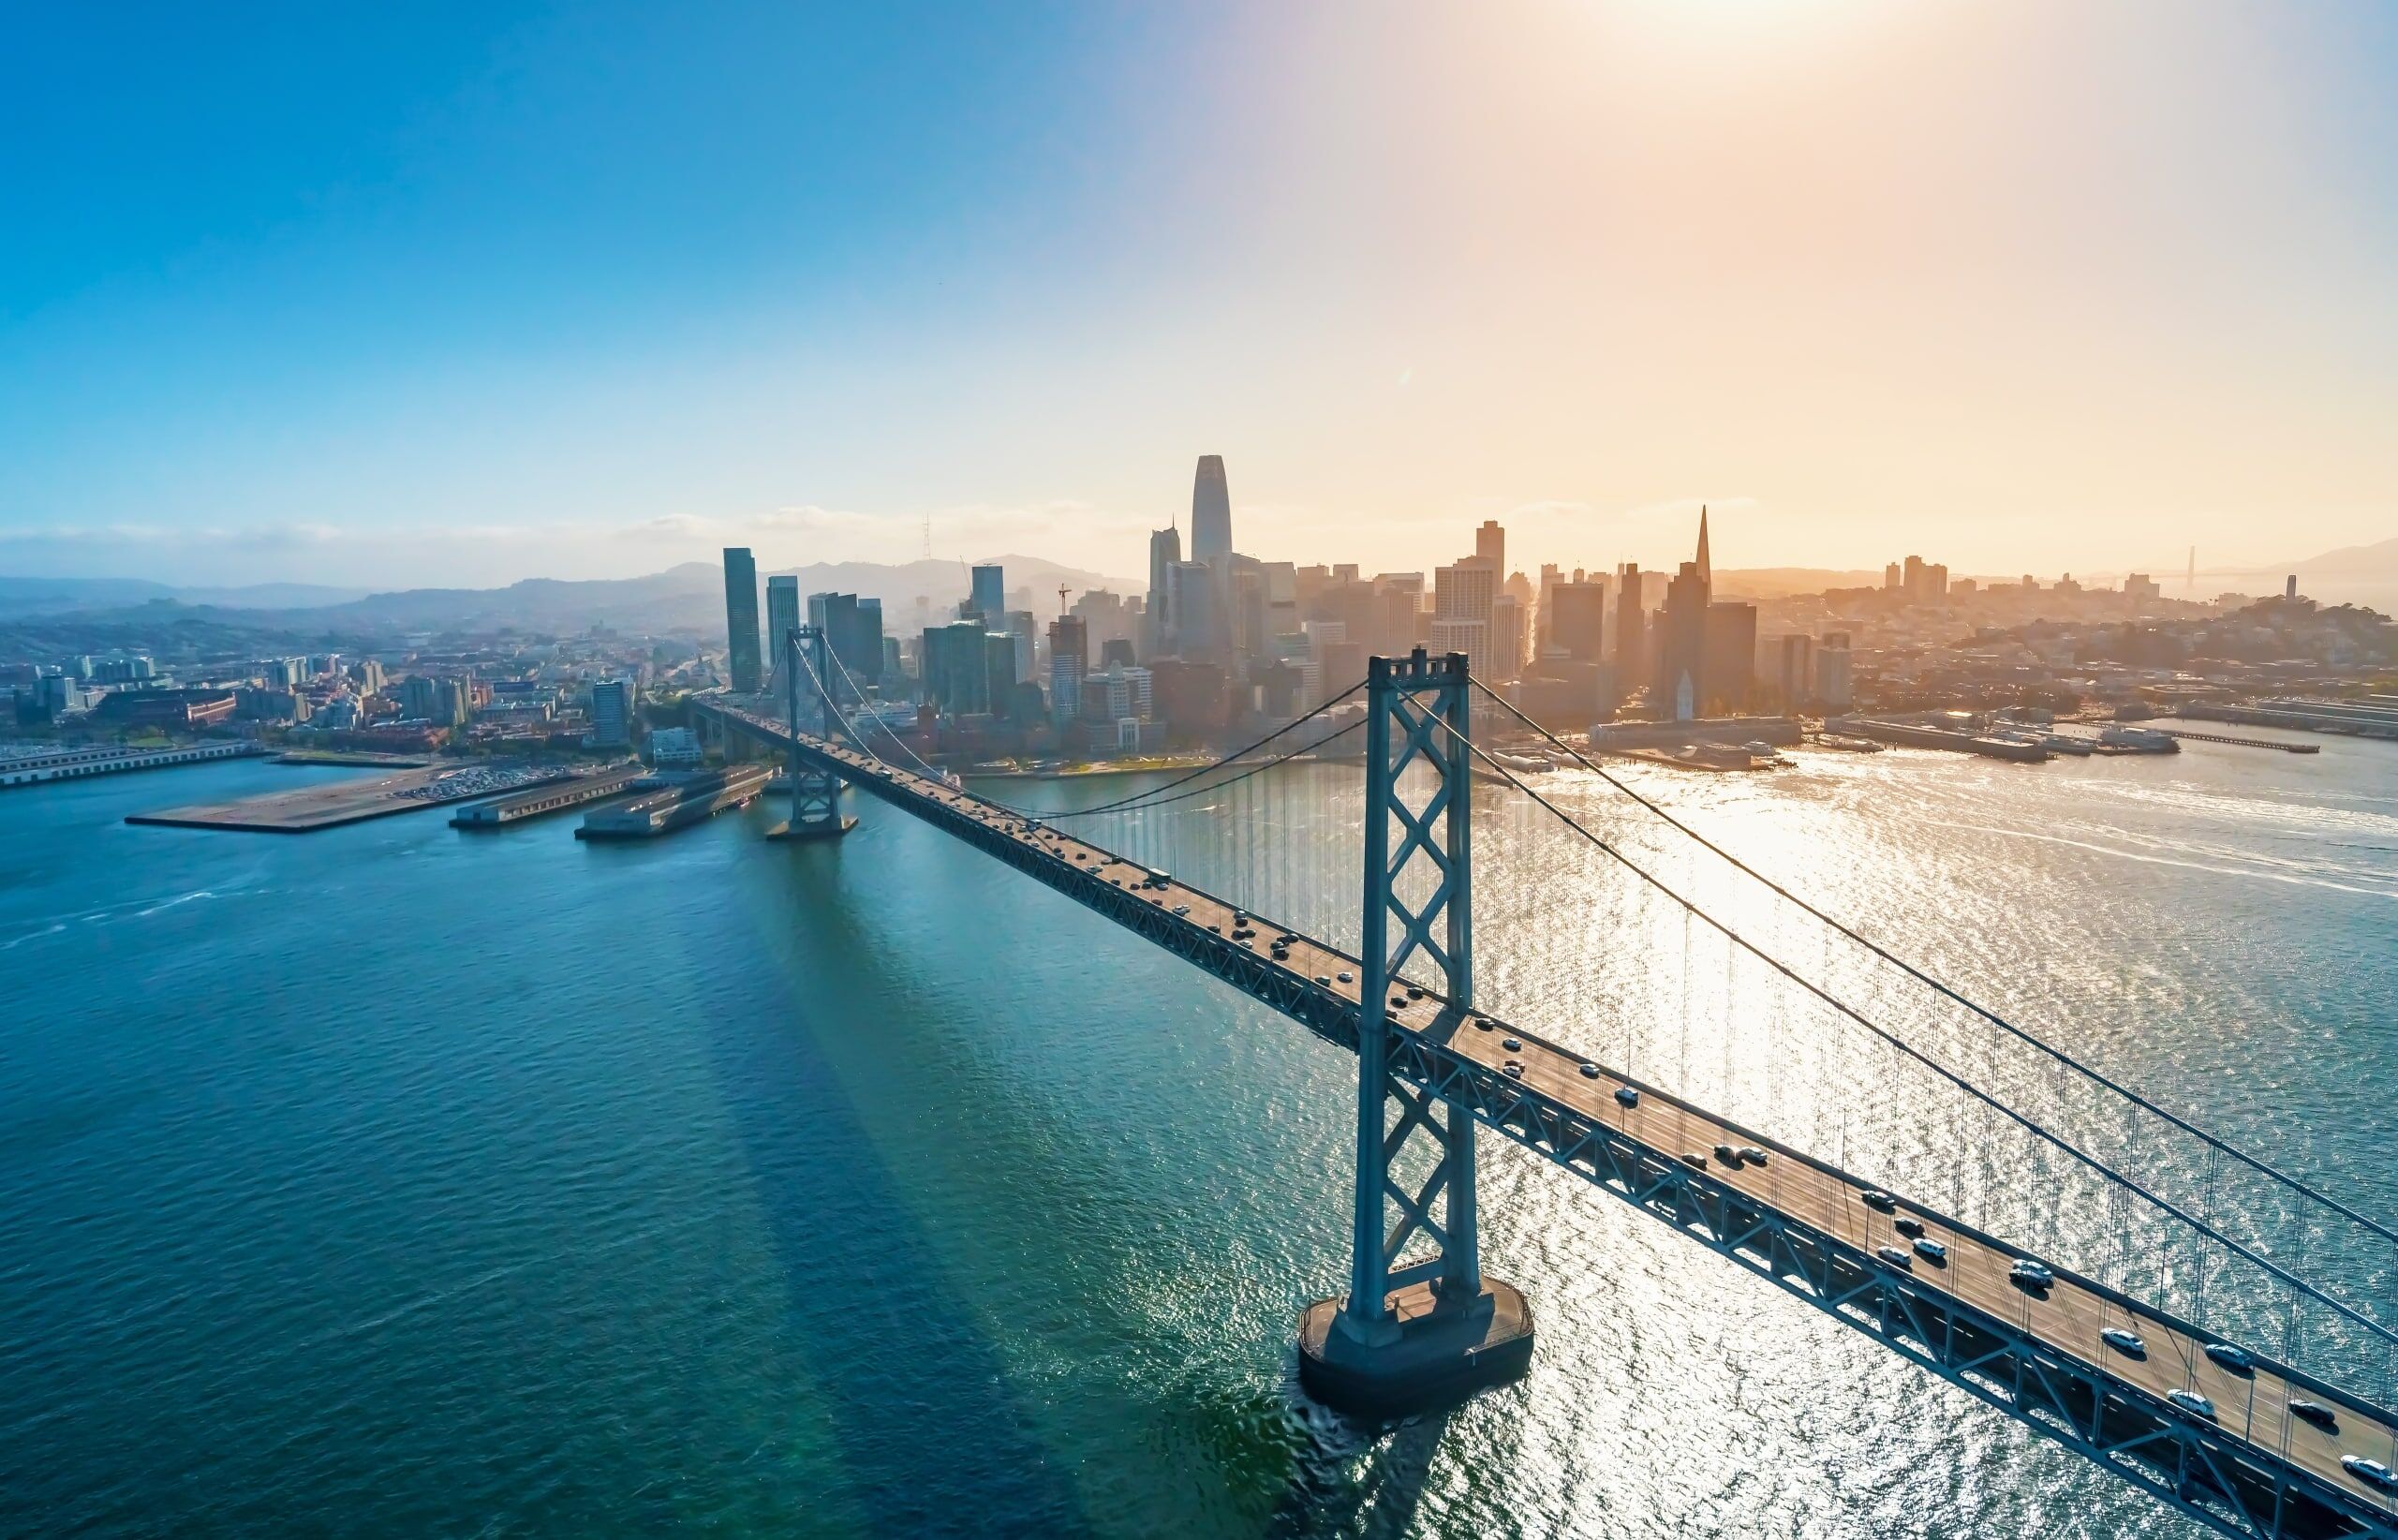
[(1797, 1219)]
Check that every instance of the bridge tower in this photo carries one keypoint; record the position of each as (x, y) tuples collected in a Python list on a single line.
[(1415, 1330), (815, 794)]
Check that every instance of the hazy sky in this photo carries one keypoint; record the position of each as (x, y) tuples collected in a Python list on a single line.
[(425, 293)]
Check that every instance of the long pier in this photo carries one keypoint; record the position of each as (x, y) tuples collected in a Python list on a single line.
[(2240, 743), (2246, 1464), (75, 764)]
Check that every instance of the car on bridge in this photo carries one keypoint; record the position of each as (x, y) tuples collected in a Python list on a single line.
[(2028, 1274), (2128, 1343), (2371, 1471), (2317, 1414), (2191, 1402), (2236, 1359), (1895, 1257)]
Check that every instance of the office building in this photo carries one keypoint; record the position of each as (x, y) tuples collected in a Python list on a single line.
[(1019, 625), (612, 702), (1728, 655), (1165, 554), (1578, 615), (1787, 668), (1835, 684), (782, 619), (1510, 637), (1211, 517), (1191, 602), (741, 619), (986, 598), (955, 668), (1680, 635), (1118, 694), (1069, 659), (1490, 545)]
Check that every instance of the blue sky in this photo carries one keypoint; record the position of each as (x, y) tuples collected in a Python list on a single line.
[(459, 293)]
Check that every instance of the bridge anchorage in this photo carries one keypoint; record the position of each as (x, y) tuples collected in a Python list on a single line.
[(1418, 1331), (815, 793)]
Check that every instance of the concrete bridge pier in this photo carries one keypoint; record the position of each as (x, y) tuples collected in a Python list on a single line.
[(1420, 1331)]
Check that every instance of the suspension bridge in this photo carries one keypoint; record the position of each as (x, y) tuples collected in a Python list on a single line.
[(2209, 1328)]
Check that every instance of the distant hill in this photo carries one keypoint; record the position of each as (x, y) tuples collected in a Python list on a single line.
[(1781, 581), (2377, 561), (48, 596), (690, 597)]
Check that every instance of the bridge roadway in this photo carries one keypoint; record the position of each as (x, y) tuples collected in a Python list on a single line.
[(1802, 1224)]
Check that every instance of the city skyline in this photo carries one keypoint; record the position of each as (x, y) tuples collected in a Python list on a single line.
[(521, 298)]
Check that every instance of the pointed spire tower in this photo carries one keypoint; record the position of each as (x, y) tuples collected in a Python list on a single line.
[(1706, 572)]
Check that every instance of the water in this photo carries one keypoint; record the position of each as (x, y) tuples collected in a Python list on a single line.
[(397, 1180)]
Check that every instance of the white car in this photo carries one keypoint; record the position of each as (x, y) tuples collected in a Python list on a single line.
[(2125, 1343), (2370, 1470), (2191, 1402), (1895, 1257), (1932, 1252)]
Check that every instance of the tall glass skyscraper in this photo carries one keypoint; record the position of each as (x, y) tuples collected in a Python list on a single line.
[(741, 617), (988, 596), (1211, 517)]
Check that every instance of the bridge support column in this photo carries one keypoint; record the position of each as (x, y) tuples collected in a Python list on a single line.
[(815, 794), (1415, 1329)]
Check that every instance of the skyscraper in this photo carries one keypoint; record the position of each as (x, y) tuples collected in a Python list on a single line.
[(1165, 554), (1577, 619), (741, 618), (1631, 628), (782, 619), (1490, 544), (1211, 517), (612, 700), (1682, 651), (988, 597)]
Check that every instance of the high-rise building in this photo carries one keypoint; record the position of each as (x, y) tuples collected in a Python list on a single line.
[(612, 702), (988, 596), (1510, 635), (1069, 659), (1681, 637), (1019, 625), (1789, 667), (1893, 576), (1165, 554), (782, 619), (1728, 655), (1490, 544), (1631, 628), (1191, 600), (1577, 619), (1464, 591), (1835, 680), (741, 618), (1211, 516), (955, 667)]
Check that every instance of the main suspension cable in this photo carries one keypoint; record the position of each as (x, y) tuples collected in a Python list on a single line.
[(2068, 1148), (1942, 988)]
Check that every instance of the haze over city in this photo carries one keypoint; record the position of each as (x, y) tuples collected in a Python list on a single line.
[(465, 294), (1065, 768)]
